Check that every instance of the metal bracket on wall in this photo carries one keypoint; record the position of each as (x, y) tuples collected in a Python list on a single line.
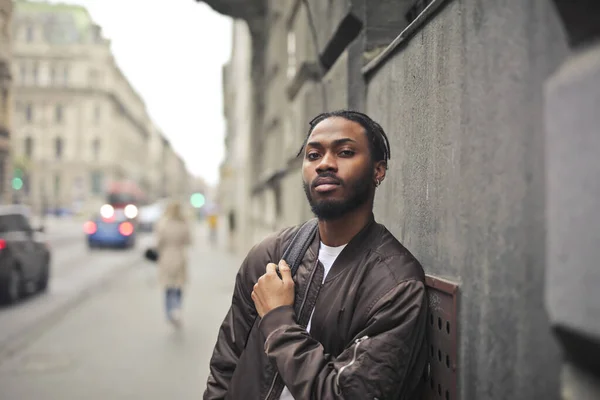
[(442, 335)]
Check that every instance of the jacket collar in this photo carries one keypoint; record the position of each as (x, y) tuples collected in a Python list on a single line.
[(355, 248)]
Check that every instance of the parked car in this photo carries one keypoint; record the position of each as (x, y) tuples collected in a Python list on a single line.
[(110, 228), (24, 258)]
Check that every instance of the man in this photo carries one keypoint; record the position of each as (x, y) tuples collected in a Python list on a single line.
[(351, 323)]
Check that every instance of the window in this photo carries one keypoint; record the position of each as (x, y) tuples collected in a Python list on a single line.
[(291, 54), (52, 75), (58, 148), (34, 73), (14, 223), (96, 148), (96, 178), (58, 114), (29, 34), (65, 75), (23, 73), (26, 186), (28, 113), (28, 147), (56, 185)]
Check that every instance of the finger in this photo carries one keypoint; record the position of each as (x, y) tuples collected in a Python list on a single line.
[(271, 268), (286, 272)]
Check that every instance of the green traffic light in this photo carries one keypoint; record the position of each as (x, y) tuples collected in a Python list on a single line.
[(17, 183), (197, 200)]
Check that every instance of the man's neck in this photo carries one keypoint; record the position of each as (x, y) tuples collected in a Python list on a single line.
[(338, 232)]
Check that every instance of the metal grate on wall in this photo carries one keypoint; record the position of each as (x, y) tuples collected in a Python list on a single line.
[(442, 329)]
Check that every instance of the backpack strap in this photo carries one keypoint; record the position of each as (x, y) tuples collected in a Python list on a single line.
[(301, 241)]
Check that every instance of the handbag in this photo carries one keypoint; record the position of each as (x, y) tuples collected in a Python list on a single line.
[(151, 254)]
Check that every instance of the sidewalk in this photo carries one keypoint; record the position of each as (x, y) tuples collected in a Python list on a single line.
[(118, 344)]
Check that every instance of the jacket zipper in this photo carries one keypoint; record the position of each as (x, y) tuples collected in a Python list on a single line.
[(357, 343), (310, 279)]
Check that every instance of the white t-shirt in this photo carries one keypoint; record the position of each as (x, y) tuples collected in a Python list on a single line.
[(327, 256)]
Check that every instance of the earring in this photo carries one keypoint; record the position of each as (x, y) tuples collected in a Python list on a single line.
[(377, 182)]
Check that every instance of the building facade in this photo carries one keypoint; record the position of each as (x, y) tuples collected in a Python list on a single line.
[(6, 12), (235, 176), (79, 124), (473, 97)]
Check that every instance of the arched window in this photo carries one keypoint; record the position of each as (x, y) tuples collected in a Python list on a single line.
[(58, 148), (28, 147)]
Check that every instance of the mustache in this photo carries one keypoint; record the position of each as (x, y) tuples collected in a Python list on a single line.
[(328, 175)]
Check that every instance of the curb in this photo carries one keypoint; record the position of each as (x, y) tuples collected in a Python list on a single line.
[(24, 337)]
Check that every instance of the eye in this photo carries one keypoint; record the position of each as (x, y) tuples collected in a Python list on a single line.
[(312, 156), (347, 153)]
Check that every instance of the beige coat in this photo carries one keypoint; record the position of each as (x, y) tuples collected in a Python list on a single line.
[(172, 240)]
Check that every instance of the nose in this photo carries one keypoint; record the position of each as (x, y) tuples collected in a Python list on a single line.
[(327, 163)]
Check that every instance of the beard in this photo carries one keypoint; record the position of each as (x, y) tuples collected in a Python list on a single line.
[(359, 192)]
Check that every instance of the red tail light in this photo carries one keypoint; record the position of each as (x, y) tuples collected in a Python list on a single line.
[(126, 228), (90, 228), (2, 244)]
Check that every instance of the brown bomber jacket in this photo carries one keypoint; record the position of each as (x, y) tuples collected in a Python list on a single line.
[(367, 338)]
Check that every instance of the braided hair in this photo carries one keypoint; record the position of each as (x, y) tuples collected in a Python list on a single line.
[(379, 144)]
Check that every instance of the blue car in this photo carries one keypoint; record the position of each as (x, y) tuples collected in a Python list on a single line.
[(112, 229)]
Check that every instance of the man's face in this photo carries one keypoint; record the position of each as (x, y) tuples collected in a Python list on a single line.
[(337, 170)]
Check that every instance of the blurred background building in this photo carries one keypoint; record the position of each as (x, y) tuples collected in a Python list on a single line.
[(461, 88), (6, 11), (78, 123), (235, 175)]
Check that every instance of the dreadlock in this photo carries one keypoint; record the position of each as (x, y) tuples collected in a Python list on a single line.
[(379, 144)]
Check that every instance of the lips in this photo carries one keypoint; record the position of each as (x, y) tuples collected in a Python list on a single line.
[(326, 184)]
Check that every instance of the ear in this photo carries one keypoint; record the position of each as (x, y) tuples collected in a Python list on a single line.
[(380, 169)]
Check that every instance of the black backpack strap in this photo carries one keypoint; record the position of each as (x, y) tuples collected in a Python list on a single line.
[(301, 241)]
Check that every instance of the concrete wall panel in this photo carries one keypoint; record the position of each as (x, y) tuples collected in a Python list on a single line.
[(462, 105)]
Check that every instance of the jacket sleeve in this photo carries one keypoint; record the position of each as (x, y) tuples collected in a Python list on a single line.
[(375, 366), (231, 338)]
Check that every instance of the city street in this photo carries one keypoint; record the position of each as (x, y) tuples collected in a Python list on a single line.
[(100, 331)]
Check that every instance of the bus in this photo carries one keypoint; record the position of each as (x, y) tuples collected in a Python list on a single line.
[(125, 196)]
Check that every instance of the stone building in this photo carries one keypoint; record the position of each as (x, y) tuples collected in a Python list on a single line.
[(492, 113), (79, 124), (235, 176), (6, 10), (166, 172)]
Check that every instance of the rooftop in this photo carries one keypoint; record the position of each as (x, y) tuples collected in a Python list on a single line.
[(65, 23)]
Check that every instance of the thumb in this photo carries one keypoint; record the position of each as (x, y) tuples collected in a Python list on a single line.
[(286, 272)]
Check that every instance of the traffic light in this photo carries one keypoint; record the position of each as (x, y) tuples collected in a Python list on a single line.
[(197, 200), (17, 181)]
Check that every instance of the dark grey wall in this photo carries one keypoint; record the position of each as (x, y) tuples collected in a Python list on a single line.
[(462, 104)]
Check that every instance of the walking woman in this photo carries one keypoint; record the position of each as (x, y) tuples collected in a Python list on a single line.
[(172, 240)]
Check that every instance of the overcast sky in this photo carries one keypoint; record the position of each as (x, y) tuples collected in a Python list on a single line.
[(172, 52)]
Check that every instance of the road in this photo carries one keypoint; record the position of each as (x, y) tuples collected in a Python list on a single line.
[(100, 332)]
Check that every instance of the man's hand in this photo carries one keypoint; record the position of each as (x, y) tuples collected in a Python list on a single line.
[(271, 292)]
